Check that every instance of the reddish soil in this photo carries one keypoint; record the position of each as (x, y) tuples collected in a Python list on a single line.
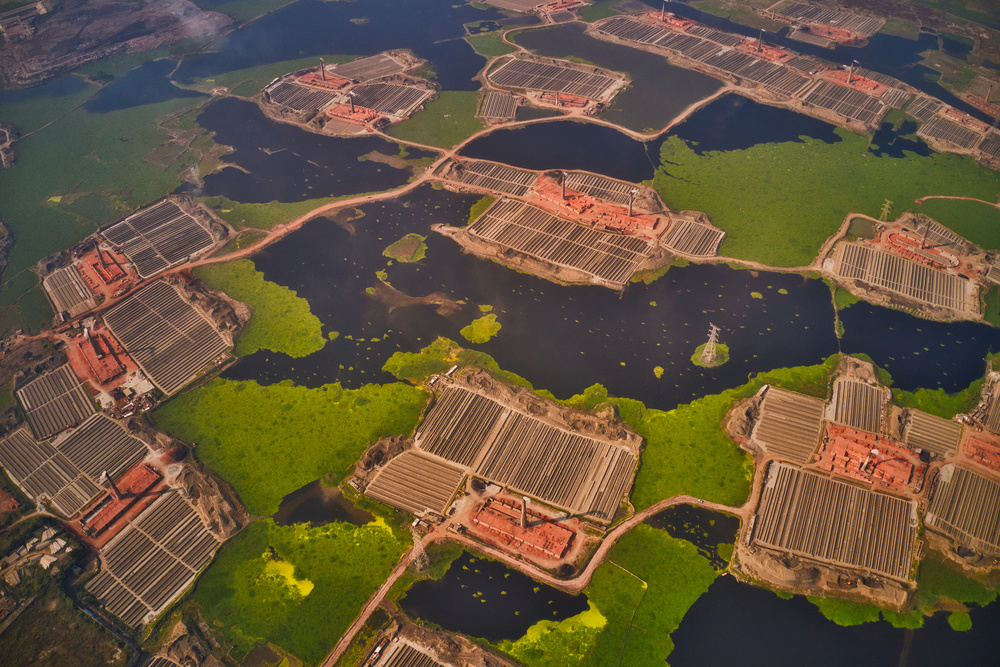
[(982, 452), (870, 458), (669, 20), (587, 210), (90, 368), (865, 85), (838, 35), (316, 80), (498, 521), (133, 486), (966, 120), (7, 502), (765, 52), (360, 115), (907, 244), (106, 272)]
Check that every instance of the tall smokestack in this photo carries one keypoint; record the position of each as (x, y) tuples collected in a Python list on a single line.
[(322, 68), (760, 42), (350, 96), (663, 11), (105, 477), (631, 198), (564, 186), (524, 512)]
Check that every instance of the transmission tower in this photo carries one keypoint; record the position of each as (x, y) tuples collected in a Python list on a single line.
[(708, 354), (885, 210)]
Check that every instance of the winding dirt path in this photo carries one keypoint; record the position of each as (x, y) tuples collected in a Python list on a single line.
[(995, 205), (574, 585)]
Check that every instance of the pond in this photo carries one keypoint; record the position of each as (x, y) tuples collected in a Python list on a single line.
[(485, 598), (318, 504), (705, 529)]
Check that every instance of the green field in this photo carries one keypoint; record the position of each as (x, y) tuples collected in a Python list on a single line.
[(410, 248), (642, 614), (977, 222), (281, 321), (270, 441), (446, 121), (490, 44), (779, 202), (295, 586)]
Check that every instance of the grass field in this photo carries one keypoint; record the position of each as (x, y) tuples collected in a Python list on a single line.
[(410, 248), (977, 222), (490, 44), (295, 586), (779, 202), (446, 121), (281, 321), (642, 614), (270, 441), (938, 402), (262, 216)]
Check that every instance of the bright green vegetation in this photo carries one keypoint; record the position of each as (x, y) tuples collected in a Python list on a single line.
[(555, 644), (263, 216), (938, 583), (846, 612), (960, 621), (441, 355), (241, 241), (687, 451), (446, 121), (938, 402), (490, 44), (281, 320), (658, 371), (842, 298), (482, 329), (270, 441), (28, 642), (410, 248), (776, 202), (991, 305), (601, 9), (976, 221), (673, 577), (248, 601), (480, 207), (721, 355)]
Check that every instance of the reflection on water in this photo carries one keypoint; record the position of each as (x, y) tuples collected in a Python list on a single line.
[(737, 624), (284, 163), (485, 598), (318, 504)]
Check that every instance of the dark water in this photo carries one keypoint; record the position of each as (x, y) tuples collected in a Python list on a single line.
[(560, 338), (431, 28), (566, 144), (319, 504), (285, 163), (485, 598), (659, 91), (147, 84), (891, 142), (733, 122), (888, 54), (703, 528), (919, 353), (67, 85), (955, 47), (736, 624)]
